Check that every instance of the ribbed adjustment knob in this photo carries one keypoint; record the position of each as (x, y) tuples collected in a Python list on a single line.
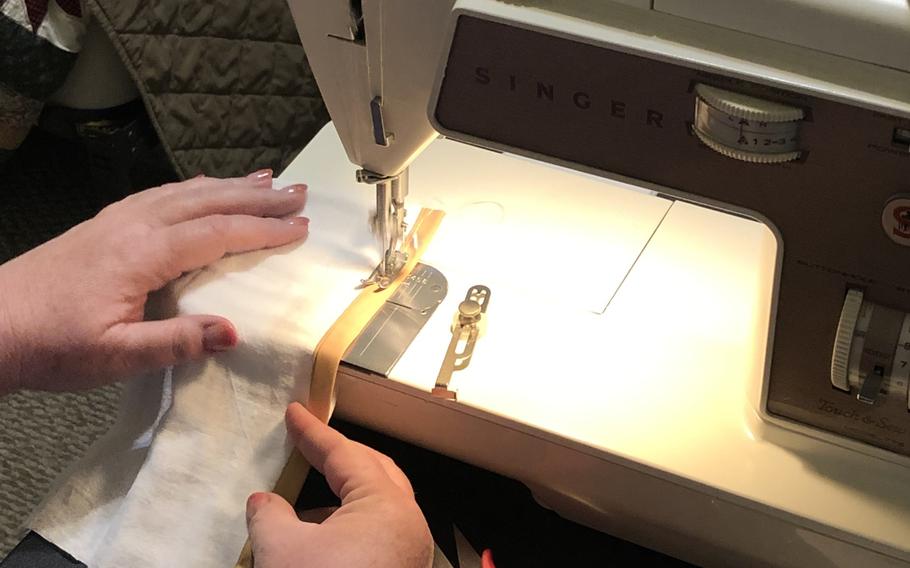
[(748, 107), (747, 128), (846, 326)]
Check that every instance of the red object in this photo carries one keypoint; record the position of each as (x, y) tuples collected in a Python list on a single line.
[(36, 10), (486, 559)]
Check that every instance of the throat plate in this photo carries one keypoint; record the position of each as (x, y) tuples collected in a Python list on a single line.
[(384, 340)]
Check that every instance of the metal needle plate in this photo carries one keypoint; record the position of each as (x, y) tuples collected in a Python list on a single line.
[(384, 340)]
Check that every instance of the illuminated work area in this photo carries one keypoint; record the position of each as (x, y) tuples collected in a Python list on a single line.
[(666, 371), (648, 259)]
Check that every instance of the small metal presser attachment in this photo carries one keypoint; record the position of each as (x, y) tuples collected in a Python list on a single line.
[(465, 330), (388, 224)]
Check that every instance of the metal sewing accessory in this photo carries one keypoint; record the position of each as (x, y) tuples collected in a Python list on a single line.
[(389, 333), (388, 224), (465, 331)]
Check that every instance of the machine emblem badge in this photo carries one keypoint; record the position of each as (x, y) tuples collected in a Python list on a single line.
[(896, 219)]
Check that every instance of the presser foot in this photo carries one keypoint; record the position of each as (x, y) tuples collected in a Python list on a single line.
[(386, 272), (388, 224)]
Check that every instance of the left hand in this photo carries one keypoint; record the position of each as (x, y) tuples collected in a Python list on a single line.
[(72, 309), (379, 524)]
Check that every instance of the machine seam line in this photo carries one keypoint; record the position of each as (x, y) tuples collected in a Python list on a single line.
[(638, 256)]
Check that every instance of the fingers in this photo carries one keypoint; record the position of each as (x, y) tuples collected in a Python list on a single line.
[(193, 244), (146, 198), (201, 196), (228, 197), (269, 519), (261, 179), (157, 344), (351, 469)]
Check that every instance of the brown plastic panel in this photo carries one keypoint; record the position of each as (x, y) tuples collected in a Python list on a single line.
[(630, 115)]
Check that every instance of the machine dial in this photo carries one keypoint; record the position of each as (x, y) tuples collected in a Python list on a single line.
[(843, 342), (746, 128), (871, 354)]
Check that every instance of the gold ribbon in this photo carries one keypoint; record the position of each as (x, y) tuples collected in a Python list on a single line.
[(332, 347)]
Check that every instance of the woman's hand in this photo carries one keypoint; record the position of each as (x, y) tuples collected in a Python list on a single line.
[(378, 524), (71, 310)]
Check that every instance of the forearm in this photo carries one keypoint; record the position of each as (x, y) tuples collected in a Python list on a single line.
[(10, 361)]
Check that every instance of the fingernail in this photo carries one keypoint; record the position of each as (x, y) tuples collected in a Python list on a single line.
[(218, 337), (262, 178), (299, 221), (261, 174), (253, 502), (296, 188), (256, 499)]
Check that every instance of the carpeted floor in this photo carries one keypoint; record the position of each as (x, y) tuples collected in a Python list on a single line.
[(44, 190), (40, 435)]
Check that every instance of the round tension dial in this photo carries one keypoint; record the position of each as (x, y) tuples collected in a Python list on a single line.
[(746, 128)]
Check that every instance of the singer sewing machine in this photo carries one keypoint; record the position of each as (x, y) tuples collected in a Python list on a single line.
[(680, 281)]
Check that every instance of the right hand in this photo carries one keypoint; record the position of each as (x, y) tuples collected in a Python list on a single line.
[(378, 524)]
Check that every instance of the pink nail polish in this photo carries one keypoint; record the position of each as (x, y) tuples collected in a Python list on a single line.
[(253, 502), (261, 175), (299, 221), (219, 337), (296, 188), (256, 499)]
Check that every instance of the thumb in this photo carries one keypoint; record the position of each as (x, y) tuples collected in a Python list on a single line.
[(155, 344), (268, 518)]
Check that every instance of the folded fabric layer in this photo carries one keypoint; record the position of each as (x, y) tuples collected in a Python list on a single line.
[(167, 486)]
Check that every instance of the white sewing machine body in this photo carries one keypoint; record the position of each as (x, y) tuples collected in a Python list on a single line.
[(660, 336)]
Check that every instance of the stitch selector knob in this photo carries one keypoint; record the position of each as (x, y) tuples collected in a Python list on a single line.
[(843, 342), (746, 128), (871, 353)]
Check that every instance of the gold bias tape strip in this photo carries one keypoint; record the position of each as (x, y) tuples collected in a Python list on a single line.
[(332, 347), (347, 328)]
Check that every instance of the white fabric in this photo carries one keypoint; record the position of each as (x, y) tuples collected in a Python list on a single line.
[(168, 485)]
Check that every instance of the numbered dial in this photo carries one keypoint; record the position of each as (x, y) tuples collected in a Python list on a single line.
[(746, 128), (872, 351)]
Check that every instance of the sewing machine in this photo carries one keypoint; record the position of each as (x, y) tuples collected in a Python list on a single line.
[(673, 300)]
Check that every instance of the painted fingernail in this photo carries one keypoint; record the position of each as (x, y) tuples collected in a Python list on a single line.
[(253, 502), (262, 177), (296, 188), (299, 221), (256, 499), (219, 337)]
